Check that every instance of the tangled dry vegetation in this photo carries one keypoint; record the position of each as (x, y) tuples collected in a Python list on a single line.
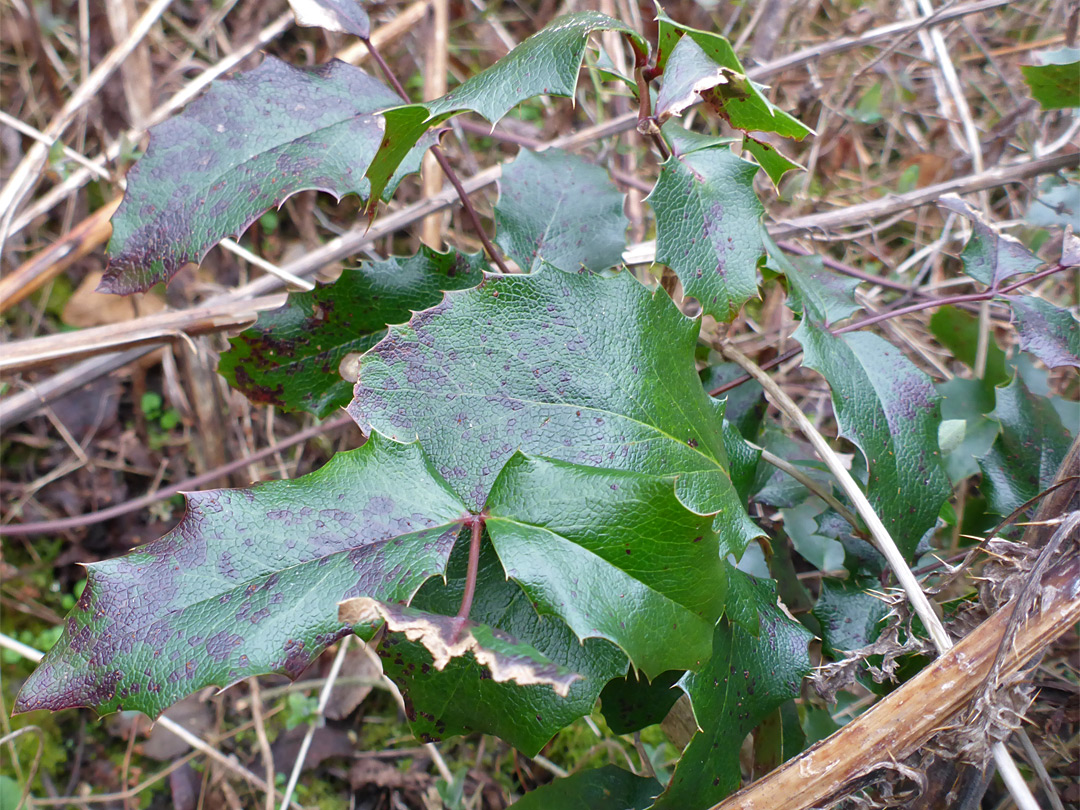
[(111, 406)]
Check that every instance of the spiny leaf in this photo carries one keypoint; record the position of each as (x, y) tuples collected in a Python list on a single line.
[(890, 410), (606, 788), (576, 367), (463, 698), (506, 658), (292, 356), (821, 295), (1028, 450), (248, 583), (630, 704), (558, 208), (1055, 84), (1048, 332), (744, 406), (244, 147), (850, 616), (990, 256), (701, 63), (747, 678), (547, 63), (683, 141), (708, 227), (775, 163), (612, 553), (339, 16)]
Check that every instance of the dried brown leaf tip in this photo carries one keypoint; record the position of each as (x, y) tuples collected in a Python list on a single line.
[(447, 638)]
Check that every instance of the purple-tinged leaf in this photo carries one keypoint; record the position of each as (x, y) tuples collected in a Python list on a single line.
[(1029, 448), (248, 582), (292, 356), (558, 208), (748, 677), (524, 716), (445, 637), (339, 16), (1050, 333), (990, 256), (547, 63), (577, 367), (890, 410), (708, 227), (244, 147)]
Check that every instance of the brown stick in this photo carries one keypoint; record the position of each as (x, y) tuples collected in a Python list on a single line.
[(897, 726)]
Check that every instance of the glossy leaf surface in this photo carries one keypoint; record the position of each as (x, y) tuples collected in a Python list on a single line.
[(630, 704), (248, 582), (463, 697), (291, 357), (582, 368), (614, 554), (1050, 333), (606, 788), (775, 163), (244, 147), (990, 256), (891, 411), (748, 678), (558, 208), (1028, 450), (708, 227), (850, 617), (1056, 83), (547, 63), (814, 292)]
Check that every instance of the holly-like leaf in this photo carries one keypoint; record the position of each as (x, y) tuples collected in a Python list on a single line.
[(1055, 84), (463, 698), (990, 256), (702, 64), (630, 704), (1050, 333), (1028, 450), (577, 367), (850, 616), (775, 163), (445, 637), (747, 678), (248, 582), (708, 227), (815, 293), (292, 356), (614, 554), (683, 141), (606, 788), (339, 16), (547, 63), (242, 148), (558, 208), (890, 410)]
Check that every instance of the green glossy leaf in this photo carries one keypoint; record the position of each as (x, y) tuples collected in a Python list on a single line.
[(708, 227), (821, 295), (292, 356), (702, 64), (967, 402), (1055, 84), (558, 208), (244, 147), (744, 405), (576, 367), (505, 658), (630, 704), (779, 738), (747, 678), (990, 256), (683, 141), (1050, 333), (462, 697), (958, 331), (777, 488), (775, 163), (889, 409), (339, 16), (614, 554), (606, 788), (850, 616), (1028, 450), (547, 63), (249, 581)]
